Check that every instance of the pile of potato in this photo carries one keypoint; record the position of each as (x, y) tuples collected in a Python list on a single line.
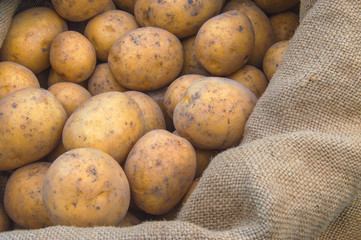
[(110, 111)]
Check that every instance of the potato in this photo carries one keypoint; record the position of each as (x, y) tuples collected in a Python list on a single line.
[(4, 220), (273, 58), (29, 37), (85, 187), (129, 220), (264, 34), (70, 95), (14, 76), (176, 90), (79, 10), (111, 122), (110, 6), (53, 78), (126, 5), (31, 122), (182, 18), (275, 6), (105, 28), (72, 56), (191, 65), (153, 115), (23, 200), (213, 112), (146, 59), (102, 81), (284, 25), (190, 191), (251, 77), (225, 43), (160, 169)]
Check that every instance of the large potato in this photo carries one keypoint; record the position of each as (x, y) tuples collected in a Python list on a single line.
[(191, 65), (160, 169), (29, 37), (14, 76), (275, 6), (31, 122), (23, 200), (182, 18), (85, 187), (225, 43), (284, 25), (111, 122), (273, 57), (146, 58), (213, 112)]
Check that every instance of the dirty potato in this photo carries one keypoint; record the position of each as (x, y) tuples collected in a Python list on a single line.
[(273, 58), (284, 25), (276, 6)]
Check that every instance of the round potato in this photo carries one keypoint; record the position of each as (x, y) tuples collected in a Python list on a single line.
[(79, 10), (213, 112), (251, 77), (4, 220), (182, 18), (225, 43), (191, 65), (70, 95), (146, 59), (72, 56), (31, 122), (111, 122), (14, 76), (263, 31), (85, 187), (29, 37), (160, 169), (284, 25), (276, 6), (105, 28), (153, 115), (176, 90), (273, 58), (126, 5), (23, 200), (102, 81)]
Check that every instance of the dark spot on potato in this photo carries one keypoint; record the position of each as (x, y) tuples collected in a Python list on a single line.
[(44, 50), (98, 208), (79, 179), (14, 105), (74, 204), (1, 114), (158, 163), (22, 126), (240, 28), (190, 1)]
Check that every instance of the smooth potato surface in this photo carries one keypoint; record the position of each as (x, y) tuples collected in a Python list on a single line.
[(273, 58), (284, 25)]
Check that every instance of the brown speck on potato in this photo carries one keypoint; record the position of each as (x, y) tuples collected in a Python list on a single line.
[(14, 105)]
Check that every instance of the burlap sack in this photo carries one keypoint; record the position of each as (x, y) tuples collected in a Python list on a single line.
[(297, 172)]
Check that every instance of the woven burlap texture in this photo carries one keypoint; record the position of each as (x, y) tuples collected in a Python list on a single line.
[(297, 172)]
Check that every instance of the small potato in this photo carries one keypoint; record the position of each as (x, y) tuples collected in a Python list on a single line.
[(160, 169), (14, 76), (105, 28), (213, 112), (72, 56), (23, 200), (79, 10), (85, 187), (225, 43), (4, 220), (111, 122), (126, 5), (251, 77), (153, 115), (146, 59), (70, 95), (31, 122), (176, 90), (273, 58), (276, 6), (191, 64), (284, 25), (182, 18), (53, 78), (190, 191), (102, 81), (129, 220), (29, 37)]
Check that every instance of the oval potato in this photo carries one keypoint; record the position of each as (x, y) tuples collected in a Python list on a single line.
[(284, 25), (273, 58)]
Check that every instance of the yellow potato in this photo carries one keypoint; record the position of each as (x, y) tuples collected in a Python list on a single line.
[(191, 64), (284, 25), (273, 58), (29, 37), (23, 200), (72, 56), (105, 28), (126, 5), (86, 187), (213, 112), (225, 43), (275, 6), (14, 76), (31, 122), (160, 169), (251, 77), (146, 59), (4, 220), (111, 122), (70, 95), (53, 78)]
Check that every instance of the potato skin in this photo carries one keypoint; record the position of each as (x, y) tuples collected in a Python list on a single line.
[(273, 58), (213, 112), (126, 5), (225, 43), (23, 200), (284, 25), (276, 6), (14, 76), (160, 169), (85, 187), (31, 122), (191, 65), (4, 220), (29, 38)]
